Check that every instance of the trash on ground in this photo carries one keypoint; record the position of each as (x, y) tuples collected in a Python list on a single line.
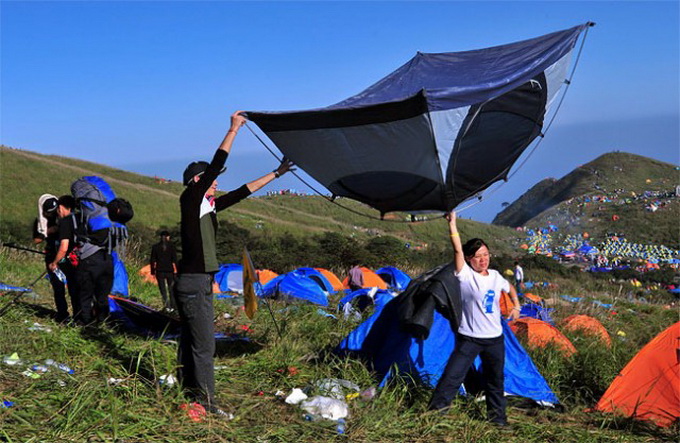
[(60, 366), (6, 404), (195, 411), (167, 380), (12, 360), (326, 407), (296, 396), (39, 327), (333, 387)]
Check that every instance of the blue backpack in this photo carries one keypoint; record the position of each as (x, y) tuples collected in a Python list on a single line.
[(100, 217)]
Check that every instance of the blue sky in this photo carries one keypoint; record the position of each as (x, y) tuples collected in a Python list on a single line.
[(149, 86)]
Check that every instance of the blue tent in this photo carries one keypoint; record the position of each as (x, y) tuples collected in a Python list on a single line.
[(362, 299), (318, 277), (383, 344), (120, 277), (395, 278), (295, 286), (230, 278), (433, 133)]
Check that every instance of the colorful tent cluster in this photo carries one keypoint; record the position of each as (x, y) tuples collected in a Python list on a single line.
[(371, 280), (648, 388), (396, 279)]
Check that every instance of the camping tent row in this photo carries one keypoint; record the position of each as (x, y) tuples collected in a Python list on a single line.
[(308, 284)]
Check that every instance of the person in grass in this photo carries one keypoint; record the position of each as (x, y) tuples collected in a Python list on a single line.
[(163, 263), (193, 290), (480, 331), (65, 258)]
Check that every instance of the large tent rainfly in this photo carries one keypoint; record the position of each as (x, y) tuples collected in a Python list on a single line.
[(435, 132)]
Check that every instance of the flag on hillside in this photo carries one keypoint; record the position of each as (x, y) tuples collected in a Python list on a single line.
[(249, 280)]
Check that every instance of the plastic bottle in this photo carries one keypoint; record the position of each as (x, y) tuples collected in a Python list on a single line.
[(39, 368), (60, 275), (311, 417), (59, 366), (341, 426)]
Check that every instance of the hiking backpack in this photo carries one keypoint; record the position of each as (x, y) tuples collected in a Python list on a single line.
[(100, 217)]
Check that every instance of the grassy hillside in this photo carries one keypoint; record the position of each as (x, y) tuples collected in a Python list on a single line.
[(116, 394), (27, 175), (615, 172)]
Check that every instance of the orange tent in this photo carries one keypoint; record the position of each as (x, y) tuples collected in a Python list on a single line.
[(332, 279), (506, 304), (588, 325), (648, 388), (534, 298), (371, 279), (145, 273), (540, 334), (265, 276)]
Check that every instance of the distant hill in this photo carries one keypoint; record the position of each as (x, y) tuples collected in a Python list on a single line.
[(614, 192), (26, 175)]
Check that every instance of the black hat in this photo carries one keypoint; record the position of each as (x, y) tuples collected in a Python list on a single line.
[(194, 169), (164, 234), (50, 206)]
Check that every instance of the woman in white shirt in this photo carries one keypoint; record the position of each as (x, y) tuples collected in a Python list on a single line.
[(480, 331)]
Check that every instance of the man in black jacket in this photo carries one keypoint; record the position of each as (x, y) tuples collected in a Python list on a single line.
[(193, 291), (163, 264)]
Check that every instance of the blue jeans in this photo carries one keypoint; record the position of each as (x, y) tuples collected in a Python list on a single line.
[(492, 353)]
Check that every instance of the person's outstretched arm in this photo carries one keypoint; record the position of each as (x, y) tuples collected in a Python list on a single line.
[(261, 182), (514, 314), (458, 258)]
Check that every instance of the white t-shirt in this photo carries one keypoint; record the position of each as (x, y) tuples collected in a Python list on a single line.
[(481, 296)]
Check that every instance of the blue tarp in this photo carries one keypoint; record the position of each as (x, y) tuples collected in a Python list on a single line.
[(537, 311), (295, 286), (571, 299), (395, 278), (383, 344), (8, 288)]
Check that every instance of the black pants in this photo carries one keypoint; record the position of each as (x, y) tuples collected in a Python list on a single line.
[(95, 279), (194, 298), (492, 353), (59, 289), (166, 283)]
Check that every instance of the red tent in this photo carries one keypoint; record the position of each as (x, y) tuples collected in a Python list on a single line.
[(588, 325), (540, 334)]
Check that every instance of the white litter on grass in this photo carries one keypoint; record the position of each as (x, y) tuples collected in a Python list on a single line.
[(115, 381), (333, 387), (167, 380), (39, 327), (326, 407), (296, 396), (12, 360)]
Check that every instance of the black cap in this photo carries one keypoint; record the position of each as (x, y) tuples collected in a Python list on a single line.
[(194, 169), (50, 206)]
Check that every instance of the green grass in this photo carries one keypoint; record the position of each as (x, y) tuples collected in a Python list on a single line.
[(84, 407)]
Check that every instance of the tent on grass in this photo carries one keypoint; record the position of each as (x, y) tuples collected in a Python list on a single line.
[(295, 286), (366, 297), (264, 276), (540, 334), (589, 325), (230, 278), (648, 388), (371, 280), (383, 344), (395, 278), (145, 273), (318, 277), (532, 310), (332, 278)]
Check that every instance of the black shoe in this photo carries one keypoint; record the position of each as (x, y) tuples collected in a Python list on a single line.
[(502, 425)]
